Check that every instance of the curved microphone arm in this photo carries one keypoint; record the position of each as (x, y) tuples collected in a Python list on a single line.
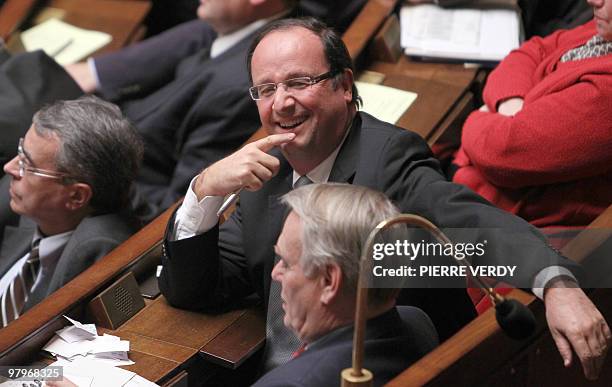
[(507, 310)]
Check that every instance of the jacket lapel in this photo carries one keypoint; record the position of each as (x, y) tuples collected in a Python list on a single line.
[(345, 165), (15, 243)]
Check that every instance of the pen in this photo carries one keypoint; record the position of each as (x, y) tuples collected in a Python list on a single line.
[(61, 48), (228, 202)]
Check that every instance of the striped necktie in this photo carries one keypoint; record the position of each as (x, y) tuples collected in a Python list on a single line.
[(16, 294), (281, 342)]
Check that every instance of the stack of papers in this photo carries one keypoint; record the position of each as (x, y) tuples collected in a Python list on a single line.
[(385, 103), (474, 35), (64, 42), (81, 341), (89, 360), (87, 373)]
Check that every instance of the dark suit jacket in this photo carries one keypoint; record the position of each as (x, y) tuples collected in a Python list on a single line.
[(226, 264), (93, 238), (392, 343), (190, 109), (27, 82)]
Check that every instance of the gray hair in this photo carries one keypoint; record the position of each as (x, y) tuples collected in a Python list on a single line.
[(336, 221), (98, 146)]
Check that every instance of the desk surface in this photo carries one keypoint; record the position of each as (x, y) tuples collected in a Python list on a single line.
[(164, 338), (121, 19)]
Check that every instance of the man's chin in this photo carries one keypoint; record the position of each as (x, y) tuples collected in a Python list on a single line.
[(15, 206)]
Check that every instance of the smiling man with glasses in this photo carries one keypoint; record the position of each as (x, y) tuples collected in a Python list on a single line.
[(69, 184), (316, 134)]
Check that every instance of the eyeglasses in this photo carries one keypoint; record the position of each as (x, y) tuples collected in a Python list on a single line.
[(24, 166), (293, 85)]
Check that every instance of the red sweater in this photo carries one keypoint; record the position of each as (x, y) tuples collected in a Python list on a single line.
[(551, 163)]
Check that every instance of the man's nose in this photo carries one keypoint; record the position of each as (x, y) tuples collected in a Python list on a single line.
[(12, 167), (283, 100), (276, 271), (595, 3)]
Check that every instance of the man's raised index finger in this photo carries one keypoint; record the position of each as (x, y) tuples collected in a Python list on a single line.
[(267, 143)]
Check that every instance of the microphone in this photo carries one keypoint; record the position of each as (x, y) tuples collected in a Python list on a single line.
[(514, 318)]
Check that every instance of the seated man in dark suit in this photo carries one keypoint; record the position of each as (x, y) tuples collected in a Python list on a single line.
[(318, 269), (308, 103), (69, 182), (184, 90)]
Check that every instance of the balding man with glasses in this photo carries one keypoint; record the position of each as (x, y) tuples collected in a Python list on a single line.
[(69, 185)]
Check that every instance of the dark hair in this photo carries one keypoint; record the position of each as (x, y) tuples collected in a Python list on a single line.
[(98, 146), (334, 48)]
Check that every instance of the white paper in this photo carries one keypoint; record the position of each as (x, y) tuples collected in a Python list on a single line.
[(467, 34), (60, 347), (139, 381), (62, 41), (77, 331), (103, 375), (90, 328), (385, 103)]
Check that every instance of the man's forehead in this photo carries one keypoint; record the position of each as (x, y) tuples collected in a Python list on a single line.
[(280, 48), (291, 234), (39, 147)]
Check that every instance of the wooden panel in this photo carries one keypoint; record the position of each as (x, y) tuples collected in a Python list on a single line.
[(151, 367), (239, 341), (121, 19), (581, 246), (453, 122), (12, 14), (366, 24), (458, 361), (434, 101), (177, 326)]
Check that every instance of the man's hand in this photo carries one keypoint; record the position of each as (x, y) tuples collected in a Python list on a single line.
[(249, 168), (510, 106), (82, 75), (576, 323)]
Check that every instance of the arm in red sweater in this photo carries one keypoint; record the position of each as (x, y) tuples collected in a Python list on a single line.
[(562, 136), (518, 72)]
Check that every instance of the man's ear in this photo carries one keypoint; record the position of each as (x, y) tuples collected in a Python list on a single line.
[(79, 196), (331, 281), (347, 85)]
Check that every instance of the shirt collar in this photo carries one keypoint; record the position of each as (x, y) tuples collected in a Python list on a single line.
[(224, 42), (320, 173), (51, 247)]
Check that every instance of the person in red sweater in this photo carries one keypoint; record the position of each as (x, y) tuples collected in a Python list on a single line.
[(541, 146)]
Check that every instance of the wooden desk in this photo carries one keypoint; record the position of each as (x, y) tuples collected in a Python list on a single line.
[(165, 340), (121, 19)]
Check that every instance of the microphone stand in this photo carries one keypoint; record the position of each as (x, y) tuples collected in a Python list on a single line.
[(508, 312)]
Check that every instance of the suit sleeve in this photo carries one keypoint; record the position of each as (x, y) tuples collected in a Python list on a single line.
[(144, 66), (207, 271), (414, 181), (209, 134)]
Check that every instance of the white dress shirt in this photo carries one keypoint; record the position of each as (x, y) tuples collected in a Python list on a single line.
[(49, 250)]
